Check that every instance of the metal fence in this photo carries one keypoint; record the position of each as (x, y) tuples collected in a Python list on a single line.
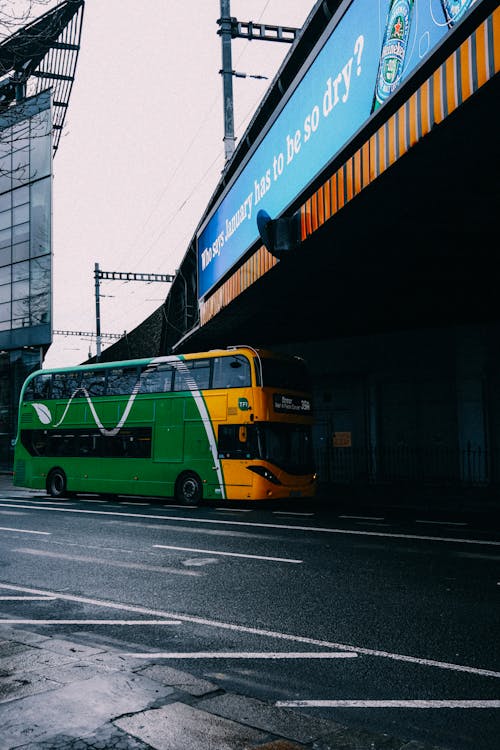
[(424, 465)]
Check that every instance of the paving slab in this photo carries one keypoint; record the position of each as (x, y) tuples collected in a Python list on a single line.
[(77, 709), (21, 636), (188, 683), (265, 716), (12, 689), (62, 646), (178, 726), (32, 659)]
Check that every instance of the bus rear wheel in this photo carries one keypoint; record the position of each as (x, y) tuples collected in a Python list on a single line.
[(188, 488), (56, 483)]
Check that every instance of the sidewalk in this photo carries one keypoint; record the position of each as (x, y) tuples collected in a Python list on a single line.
[(60, 695)]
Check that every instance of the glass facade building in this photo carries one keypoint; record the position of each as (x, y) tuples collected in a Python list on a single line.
[(25, 252)]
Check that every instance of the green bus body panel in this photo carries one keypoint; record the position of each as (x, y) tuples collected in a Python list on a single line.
[(180, 442)]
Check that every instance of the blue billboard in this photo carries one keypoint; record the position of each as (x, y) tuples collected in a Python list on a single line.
[(371, 49)]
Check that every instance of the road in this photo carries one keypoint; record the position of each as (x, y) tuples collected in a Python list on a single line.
[(381, 622)]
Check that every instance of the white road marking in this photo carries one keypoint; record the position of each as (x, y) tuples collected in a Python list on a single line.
[(52, 502), (89, 622), (441, 523), (24, 531), (184, 507), (92, 500), (290, 513), (140, 504), (26, 598), (391, 704), (324, 530), (228, 554), (245, 655), (364, 518), (234, 510), (103, 561), (258, 631)]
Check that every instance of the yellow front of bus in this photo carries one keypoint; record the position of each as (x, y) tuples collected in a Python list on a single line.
[(265, 445)]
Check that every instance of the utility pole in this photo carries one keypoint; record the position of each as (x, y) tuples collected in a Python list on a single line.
[(97, 314), (119, 276), (227, 78), (231, 28)]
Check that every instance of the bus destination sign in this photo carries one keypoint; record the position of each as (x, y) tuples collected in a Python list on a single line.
[(291, 404)]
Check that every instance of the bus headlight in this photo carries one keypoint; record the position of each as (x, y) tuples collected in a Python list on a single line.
[(265, 473)]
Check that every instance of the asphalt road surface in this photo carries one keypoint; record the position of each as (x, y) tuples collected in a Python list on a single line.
[(380, 622)]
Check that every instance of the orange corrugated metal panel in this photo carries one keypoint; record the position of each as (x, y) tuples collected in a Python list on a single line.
[(391, 140), (482, 53), (303, 230), (438, 95), (373, 157), (366, 163), (308, 217), (314, 211), (402, 119), (327, 199), (413, 122), (425, 109), (380, 149), (465, 52), (358, 181), (348, 171), (321, 205), (495, 21), (333, 193), (451, 83), (340, 187)]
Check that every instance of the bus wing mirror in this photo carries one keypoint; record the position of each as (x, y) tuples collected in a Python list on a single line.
[(242, 434)]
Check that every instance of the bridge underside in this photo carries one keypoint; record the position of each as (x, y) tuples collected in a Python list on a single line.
[(416, 248)]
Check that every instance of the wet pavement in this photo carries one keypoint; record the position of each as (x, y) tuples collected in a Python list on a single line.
[(56, 694)]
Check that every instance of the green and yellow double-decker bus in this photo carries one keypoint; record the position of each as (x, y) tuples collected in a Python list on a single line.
[(231, 424)]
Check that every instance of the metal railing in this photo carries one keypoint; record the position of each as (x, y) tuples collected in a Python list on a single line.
[(391, 464)]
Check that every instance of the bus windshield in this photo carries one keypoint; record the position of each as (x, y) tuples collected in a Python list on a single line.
[(288, 446), (291, 374)]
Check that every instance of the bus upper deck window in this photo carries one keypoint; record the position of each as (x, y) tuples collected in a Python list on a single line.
[(42, 386), (231, 372)]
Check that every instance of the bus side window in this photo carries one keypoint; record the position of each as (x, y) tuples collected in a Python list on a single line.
[(41, 386), (165, 378), (59, 385), (231, 372), (73, 380), (121, 381), (192, 374), (94, 382), (29, 393)]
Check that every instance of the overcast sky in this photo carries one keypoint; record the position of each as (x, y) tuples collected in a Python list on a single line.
[(142, 149)]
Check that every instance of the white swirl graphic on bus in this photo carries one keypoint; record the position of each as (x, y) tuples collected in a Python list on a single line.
[(45, 416)]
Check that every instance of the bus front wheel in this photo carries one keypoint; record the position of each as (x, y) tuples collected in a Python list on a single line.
[(188, 489), (56, 483)]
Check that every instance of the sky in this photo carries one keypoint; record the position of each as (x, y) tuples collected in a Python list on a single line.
[(142, 150)]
